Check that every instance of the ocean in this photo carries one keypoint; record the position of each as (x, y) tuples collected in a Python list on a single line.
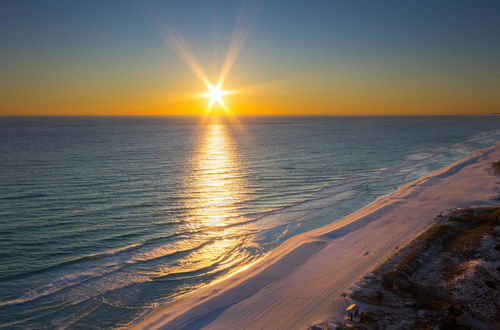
[(103, 219)]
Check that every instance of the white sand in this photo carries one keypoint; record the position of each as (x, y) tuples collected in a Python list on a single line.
[(300, 283)]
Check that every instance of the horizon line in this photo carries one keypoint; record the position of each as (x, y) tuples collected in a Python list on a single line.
[(262, 115)]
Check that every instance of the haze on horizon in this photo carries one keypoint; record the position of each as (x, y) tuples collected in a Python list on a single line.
[(296, 57)]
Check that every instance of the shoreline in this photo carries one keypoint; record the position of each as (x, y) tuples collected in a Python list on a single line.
[(300, 283)]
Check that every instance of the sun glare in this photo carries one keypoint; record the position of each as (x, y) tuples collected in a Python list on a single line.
[(215, 94)]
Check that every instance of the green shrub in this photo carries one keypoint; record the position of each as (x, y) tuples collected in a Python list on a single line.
[(496, 167)]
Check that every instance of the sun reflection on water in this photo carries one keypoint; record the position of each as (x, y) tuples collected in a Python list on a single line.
[(216, 180), (215, 189)]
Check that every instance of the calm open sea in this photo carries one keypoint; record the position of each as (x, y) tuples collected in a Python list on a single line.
[(103, 219)]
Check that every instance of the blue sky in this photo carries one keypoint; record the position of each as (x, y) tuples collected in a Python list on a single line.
[(56, 53)]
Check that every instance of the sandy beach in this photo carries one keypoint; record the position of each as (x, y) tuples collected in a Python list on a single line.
[(300, 283)]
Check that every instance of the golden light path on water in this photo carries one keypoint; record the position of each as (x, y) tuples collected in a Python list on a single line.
[(217, 177), (215, 188)]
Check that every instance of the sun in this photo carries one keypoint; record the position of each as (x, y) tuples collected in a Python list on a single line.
[(215, 94)]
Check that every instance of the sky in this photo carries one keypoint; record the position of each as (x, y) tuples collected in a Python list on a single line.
[(309, 57)]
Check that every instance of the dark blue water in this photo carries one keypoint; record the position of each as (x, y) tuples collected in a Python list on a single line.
[(103, 219)]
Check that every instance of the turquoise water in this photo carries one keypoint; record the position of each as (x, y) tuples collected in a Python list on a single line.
[(104, 218)]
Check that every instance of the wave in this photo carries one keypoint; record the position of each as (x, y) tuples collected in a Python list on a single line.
[(23, 196)]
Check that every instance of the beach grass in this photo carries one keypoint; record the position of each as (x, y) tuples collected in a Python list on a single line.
[(420, 276)]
